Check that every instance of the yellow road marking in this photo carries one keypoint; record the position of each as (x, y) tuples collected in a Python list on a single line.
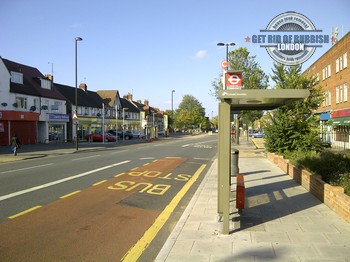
[(136, 251), (96, 184), (119, 174), (25, 212), (71, 194)]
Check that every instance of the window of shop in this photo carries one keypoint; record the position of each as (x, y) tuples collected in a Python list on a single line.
[(342, 133), (56, 132)]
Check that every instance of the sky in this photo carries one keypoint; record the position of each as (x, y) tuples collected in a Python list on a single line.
[(149, 48)]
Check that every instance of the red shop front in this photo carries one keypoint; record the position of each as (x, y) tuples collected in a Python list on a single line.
[(23, 124)]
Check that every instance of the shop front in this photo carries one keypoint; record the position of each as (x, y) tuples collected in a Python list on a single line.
[(23, 124), (58, 127), (340, 123)]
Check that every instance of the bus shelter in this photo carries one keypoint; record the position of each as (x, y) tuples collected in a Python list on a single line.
[(236, 100)]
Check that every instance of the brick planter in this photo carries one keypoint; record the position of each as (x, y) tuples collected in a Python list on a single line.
[(332, 196)]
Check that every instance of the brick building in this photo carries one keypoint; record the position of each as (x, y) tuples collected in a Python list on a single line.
[(333, 74)]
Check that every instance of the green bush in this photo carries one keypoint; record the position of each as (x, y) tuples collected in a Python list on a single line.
[(332, 166)]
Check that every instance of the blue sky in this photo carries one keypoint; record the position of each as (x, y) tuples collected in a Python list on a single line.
[(149, 48)]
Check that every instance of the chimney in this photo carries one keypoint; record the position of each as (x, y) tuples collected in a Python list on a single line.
[(146, 102), (49, 77), (129, 96), (83, 86)]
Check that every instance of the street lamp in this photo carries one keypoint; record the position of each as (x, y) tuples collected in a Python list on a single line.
[(227, 45), (123, 130), (172, 105), (76, 89)]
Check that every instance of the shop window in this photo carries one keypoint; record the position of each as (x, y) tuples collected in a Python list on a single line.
[(342, 133)]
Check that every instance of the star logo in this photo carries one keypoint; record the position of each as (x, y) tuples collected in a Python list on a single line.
[(247, 39)]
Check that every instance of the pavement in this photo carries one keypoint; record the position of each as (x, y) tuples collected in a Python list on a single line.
[(281, 220)]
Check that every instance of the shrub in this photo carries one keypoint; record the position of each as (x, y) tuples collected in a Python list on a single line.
[(332, 166)]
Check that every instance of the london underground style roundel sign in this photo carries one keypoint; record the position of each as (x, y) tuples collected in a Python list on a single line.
[(234, 80)]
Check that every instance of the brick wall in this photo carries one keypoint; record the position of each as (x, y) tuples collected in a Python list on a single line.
[(332, 196)]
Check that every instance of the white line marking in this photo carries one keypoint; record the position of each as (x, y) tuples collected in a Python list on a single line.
[(146, 158), (117, 152), (26, 168), (186, 145), (198, 158), (81, 158), (59, 181)]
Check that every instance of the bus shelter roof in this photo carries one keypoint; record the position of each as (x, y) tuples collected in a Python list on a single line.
[(260, 99)]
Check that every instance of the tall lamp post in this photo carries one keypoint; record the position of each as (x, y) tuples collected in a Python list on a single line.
[(76, 89), (172, 106), (227, 45), (237, 123), (124, 109)]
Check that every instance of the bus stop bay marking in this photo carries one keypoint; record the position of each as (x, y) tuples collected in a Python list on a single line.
[(146, 187)]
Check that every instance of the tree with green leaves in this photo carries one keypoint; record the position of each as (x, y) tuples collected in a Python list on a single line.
[(253, 78), (294, 127), (190, 114)]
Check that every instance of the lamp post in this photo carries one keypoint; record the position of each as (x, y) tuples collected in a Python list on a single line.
[(172, 106), (116, 123), (237, 121), (76, 89), (103, 123), (123, 130), (227, 45)]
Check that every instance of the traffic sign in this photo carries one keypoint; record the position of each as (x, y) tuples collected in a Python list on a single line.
[(75, 117), (224, 64)]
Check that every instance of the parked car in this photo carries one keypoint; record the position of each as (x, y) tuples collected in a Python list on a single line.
[(99, 138), (161, 132), (122, 134), (257, 135), (138, 134)]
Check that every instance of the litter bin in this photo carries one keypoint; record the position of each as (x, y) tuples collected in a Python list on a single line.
[(234, 162)]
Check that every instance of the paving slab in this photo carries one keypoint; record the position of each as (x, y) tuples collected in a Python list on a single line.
[(281, 220)]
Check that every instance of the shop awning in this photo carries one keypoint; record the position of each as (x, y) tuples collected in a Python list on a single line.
[(339, 121)]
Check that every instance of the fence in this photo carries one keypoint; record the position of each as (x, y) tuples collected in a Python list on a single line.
[(338, 137)]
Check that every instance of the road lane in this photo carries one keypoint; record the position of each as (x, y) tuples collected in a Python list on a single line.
[(18, 193), (102, 222), (35, 172)]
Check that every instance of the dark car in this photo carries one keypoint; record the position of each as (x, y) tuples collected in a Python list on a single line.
[(122, 134)]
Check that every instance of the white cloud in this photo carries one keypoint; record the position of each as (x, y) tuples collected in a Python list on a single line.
[(201, 54)]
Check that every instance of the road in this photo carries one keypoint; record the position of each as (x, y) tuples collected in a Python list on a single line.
[(117, 203)]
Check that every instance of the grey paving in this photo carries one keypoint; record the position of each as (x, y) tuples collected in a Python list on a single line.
[(281, 221)]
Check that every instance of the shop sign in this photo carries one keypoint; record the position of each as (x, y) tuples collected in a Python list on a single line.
[(58, 118), (340, 113)]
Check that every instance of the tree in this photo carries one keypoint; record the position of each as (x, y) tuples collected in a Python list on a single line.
[(294, 127), (253, 78), (190, 114)]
